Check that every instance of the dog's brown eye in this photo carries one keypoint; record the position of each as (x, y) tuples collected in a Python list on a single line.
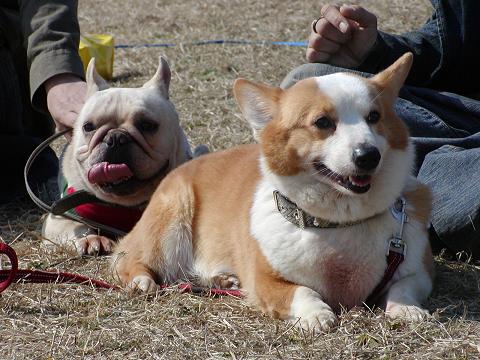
[(373, 117), (147, 126), (324, 123), (88, 127)]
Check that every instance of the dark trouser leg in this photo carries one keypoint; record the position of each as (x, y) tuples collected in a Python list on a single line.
[(445, 129), (21, 130)]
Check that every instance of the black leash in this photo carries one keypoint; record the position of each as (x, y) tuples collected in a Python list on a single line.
[(61, 206)]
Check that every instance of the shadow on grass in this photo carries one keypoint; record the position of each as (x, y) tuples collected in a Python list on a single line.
[(456, 294)]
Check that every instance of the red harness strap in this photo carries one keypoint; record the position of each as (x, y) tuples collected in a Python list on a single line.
[(394, 259), (119, 217)]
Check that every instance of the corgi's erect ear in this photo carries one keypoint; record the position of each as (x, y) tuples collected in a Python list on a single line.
[(258, 102), (161, 79), (94, 81), (392, 78)]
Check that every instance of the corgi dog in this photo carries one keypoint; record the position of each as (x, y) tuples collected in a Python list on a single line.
[(303, 220)]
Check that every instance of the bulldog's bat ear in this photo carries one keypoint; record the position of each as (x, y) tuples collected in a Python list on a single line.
[(94, 81), (161, 79)]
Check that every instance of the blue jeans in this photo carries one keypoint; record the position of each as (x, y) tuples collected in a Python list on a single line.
[(445, 129)]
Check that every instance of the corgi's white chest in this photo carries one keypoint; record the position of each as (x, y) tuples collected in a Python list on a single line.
[(342, 264)]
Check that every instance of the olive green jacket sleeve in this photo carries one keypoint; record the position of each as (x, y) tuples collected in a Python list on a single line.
[(51, 36)]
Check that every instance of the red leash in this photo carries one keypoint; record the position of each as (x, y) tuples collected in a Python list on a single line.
[(7, 277), (41, 277)]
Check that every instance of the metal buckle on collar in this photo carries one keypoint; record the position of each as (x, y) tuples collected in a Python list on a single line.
[(300, 217)]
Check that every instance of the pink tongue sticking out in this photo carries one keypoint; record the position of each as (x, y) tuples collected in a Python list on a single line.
[(105, 173)]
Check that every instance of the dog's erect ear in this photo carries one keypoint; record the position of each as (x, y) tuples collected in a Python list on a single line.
[(392, 78), (257, 102), (161, 79), (94, 81)]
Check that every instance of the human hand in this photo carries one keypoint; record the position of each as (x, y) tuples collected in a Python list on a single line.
[(65, 98), (343, 36)]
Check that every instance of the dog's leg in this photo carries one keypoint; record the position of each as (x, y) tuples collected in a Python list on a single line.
[(225, 281), (133, 264), (58, 230), (94, 245), (284, 300), (162, 255), (144, 258), (403, 299), (310, 310), (159, 248)]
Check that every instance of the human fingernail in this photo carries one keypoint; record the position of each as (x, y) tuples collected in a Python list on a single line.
[(343, 27)]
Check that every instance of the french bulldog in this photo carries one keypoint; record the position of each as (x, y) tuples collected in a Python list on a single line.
[(125, 141)]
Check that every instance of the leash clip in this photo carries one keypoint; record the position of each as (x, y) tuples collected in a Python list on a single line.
[(396, 244)]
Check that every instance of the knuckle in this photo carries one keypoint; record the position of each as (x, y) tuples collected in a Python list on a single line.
[(328, 8), (315, 56), (332, 14), (367, 15), (309, 55), (312, 41), (324, 9)]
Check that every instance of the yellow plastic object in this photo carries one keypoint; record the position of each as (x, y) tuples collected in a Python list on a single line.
[(99, 46)]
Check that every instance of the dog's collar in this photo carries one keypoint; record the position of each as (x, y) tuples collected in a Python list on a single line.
[(87, 206), (113, 215), (291, 212)]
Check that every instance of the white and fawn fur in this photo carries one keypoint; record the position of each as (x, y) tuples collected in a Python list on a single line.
[(214, 218), (114, 109)]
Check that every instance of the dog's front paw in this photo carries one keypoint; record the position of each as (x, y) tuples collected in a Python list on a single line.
[(318, 320), (94, 245), (315, 314), (406, 312), (143, 283), (226, 281)]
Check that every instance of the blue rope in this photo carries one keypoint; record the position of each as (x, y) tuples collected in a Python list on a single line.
[(219, 41)]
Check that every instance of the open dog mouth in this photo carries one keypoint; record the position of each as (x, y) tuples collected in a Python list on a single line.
[(108, 175), (117, 178), (358, 184)]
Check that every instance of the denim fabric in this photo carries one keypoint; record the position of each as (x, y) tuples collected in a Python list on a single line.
[(445, 129), (452, 174), (446, 49)]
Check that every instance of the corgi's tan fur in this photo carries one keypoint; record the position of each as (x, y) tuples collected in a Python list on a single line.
[(215, 218)]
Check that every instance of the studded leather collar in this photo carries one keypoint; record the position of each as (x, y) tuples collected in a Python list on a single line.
[(291, 212)]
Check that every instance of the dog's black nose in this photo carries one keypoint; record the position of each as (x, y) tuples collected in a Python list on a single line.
[(366, 157), (117, 138)]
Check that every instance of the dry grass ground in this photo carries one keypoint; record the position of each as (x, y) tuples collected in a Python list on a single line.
[(73, 322)]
